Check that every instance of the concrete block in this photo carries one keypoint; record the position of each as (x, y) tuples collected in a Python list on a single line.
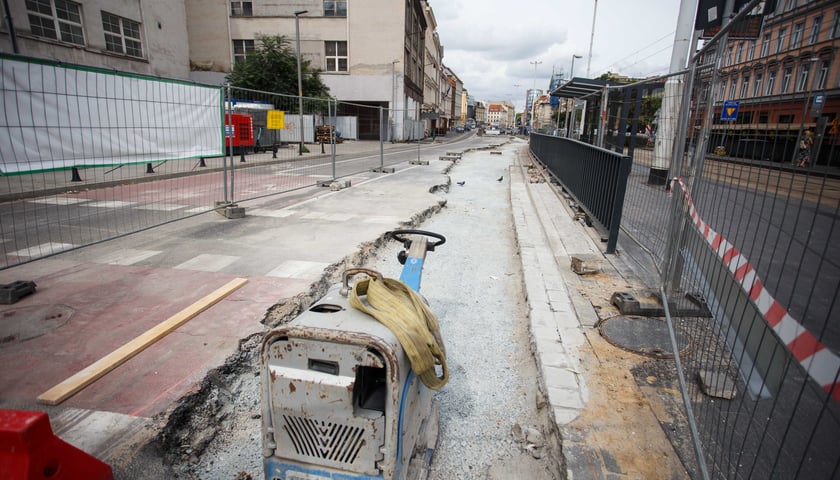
[(717, 384), (586, 264), (232, 211)]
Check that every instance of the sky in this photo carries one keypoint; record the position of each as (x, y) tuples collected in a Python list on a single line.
[(490, 44)]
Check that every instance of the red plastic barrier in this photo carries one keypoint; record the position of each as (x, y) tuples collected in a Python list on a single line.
[(30, 451)]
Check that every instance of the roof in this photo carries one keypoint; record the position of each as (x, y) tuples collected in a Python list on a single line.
[(581, 87)]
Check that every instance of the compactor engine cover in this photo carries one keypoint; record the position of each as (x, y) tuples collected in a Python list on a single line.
[(339, 399)]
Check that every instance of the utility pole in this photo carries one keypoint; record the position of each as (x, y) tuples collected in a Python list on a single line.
[(669, 111), (300, 81)]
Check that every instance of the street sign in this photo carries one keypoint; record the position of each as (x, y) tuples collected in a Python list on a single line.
[(275, 120), (730, 110), (817, 105)]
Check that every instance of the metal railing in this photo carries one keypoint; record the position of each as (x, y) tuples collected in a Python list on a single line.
[(595, 177)]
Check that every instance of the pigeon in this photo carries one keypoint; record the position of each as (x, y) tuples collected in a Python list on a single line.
[(461, 183), (501, 178)]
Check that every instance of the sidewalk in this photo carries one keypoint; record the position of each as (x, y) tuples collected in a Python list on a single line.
[(112, 292)]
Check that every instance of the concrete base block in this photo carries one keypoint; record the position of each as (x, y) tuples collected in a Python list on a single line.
[(231, 211), (586, 264), (418, 162), (383, 170), (717, 384)]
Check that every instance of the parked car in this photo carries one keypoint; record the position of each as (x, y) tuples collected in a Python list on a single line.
[(459, 129), (493, 131)]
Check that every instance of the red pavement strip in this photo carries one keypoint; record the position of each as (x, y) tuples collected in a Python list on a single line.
[(115, 304)]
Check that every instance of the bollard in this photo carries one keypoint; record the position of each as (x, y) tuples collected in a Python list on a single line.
[(149, 168), (76, 176), (274, 150), (322, 147), (241, 158), (201, 162)]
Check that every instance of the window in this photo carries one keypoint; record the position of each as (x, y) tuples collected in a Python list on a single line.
[(722, 91), (822, 75), (739, 55), (765, 45), (241, 49), (771, 83), (815, 29), (786, 118), (241, 9), (728, 60), (787, 74), (335, 8), (122, 35), (733, 85), (757, 84), (780, 41), (835, 28), (745, 86), (802, 80), (751, 50), (56, 19), (796, 35), (336, 56)]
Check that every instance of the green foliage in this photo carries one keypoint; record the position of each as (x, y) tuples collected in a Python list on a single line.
[(609, 76), (273, 68), (649, 107)]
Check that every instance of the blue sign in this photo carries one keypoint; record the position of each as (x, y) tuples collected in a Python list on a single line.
[(730, 110), (819, 99)]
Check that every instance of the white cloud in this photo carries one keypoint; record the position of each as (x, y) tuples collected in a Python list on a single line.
[(490, 44)]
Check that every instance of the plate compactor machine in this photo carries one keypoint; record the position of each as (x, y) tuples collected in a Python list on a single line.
[(347, 386)]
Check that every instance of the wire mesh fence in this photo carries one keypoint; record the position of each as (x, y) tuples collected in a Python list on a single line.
[(65, 129), (735, 195), (752, 235), (91, 155)]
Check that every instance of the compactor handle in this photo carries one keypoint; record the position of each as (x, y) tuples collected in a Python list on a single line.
[(345, 286), (398, 236)]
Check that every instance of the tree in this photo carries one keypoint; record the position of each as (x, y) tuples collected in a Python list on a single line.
[(272, 67)]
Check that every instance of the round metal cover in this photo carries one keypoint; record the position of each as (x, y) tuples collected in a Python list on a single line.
[(23, 323), (643, 335)]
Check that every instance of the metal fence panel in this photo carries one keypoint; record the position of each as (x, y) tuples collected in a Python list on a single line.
[(66, 129), (752, 234)]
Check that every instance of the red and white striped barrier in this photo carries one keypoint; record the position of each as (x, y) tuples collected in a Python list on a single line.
[(820, 362)]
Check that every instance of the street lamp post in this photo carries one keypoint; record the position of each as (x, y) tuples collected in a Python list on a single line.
[(571, 77), (300, 80)]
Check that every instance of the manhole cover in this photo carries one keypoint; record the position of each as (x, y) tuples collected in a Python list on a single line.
[(643, 335), (23, 323)]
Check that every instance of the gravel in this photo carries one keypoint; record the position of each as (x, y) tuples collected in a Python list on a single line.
[(490, 423)]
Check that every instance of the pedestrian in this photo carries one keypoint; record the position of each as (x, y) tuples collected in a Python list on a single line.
[(274, 150), (805, 144)]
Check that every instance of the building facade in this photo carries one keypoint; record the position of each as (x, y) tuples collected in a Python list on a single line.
[(371, 53), (137, 36), (776, 75)]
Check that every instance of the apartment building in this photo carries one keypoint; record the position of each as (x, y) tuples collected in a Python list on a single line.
[(137, 36), (776, 75), (370, 53), (480, 113)]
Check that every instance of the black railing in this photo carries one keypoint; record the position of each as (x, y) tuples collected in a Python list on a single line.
[(596, 178)]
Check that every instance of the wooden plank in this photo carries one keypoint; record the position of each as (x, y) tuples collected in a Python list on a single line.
[(85, 377)]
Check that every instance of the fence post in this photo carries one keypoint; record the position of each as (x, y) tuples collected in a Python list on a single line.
[(618, 202), (381, 144), (226, 146), (333, 133)]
